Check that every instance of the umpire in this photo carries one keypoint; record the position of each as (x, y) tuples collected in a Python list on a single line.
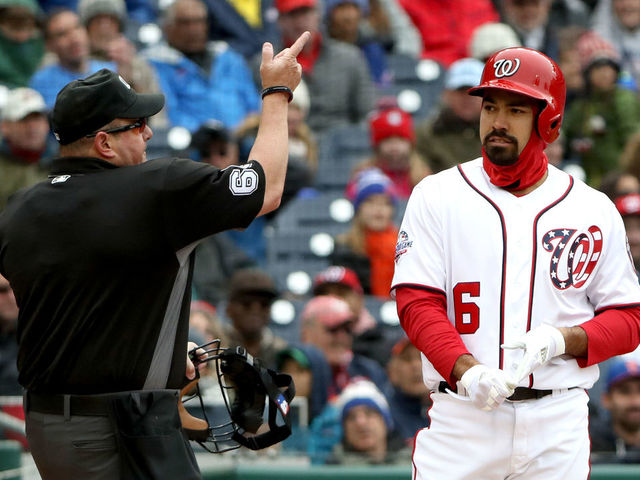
[(100, 259)]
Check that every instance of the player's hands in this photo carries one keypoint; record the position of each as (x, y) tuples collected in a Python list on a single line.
[(283, 68), (540, 345), (487, 387)]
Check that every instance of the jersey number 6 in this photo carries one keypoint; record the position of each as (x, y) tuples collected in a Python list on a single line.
[(467, 313)]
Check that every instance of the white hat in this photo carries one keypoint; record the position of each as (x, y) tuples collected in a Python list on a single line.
[(301, 97), (22, 102), (488, 38), (465, 72)]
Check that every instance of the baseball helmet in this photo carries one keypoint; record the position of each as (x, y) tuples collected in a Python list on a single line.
[(247, 387), (531, 73)]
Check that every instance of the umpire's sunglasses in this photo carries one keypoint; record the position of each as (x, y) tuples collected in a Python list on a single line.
[(141, 124)]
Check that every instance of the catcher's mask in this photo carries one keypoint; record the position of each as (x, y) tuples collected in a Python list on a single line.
[(245, 385)]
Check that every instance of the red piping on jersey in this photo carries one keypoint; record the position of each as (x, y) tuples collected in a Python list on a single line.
[(504, 262), (535, 254), (617, 307), (420, 287)]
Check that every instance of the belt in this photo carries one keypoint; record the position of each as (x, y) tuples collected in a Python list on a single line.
[(67, 405), (520, 393)]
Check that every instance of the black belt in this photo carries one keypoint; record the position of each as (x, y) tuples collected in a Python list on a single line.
[(520, 393), (82, 405)]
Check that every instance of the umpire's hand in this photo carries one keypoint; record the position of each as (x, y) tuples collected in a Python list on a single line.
[(283, 69)]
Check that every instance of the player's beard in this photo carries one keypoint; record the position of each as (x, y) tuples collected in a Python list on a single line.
[(504, 155)]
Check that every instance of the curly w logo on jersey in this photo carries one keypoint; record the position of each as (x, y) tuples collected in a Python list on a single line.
[(574, 256)]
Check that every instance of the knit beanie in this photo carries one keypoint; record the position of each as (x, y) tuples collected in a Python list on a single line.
[(592, 49), (362, 391), (87, 9), (372, 181), (393, 122)]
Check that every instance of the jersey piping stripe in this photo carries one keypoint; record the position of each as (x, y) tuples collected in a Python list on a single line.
[(418, 286), (504, 259), (535, 255), (617, 307)]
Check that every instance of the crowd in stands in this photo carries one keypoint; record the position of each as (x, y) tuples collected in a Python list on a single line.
[(359, 132)]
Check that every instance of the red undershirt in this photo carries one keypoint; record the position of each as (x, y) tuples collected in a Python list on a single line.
[(423, 315)]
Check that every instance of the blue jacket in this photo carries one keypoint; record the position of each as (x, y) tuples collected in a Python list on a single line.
[(226, 92), (51, 79)]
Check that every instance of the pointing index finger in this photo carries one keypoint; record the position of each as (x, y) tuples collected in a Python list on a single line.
[(297, 47)]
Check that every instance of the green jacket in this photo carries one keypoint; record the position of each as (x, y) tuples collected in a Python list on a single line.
[(603, 122), (15, 175)]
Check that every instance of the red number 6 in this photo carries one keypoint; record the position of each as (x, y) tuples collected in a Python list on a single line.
[(467, 313)]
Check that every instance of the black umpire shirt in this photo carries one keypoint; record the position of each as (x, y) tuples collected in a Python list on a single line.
[(100, 259)]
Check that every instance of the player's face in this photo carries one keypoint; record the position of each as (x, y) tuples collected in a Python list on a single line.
[(364, 429), (623, 402), (506, 122)]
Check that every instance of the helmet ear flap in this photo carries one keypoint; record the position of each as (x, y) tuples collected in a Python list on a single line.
[(549, 124)]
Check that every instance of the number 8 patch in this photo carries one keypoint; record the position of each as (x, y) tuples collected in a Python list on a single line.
[(243, 181)]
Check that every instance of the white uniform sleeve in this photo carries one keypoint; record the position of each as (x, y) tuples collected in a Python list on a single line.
[(615, 281), (420, 258)]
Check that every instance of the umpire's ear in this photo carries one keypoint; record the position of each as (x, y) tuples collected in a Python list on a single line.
[(103, 146)]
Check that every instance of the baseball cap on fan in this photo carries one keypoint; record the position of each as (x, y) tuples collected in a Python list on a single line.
[(286, 6), (85, 105), (628, 204), (336, 275), (327, 310), (22, 102), (620, 371)]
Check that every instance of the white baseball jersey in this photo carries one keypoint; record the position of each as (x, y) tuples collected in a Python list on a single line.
[(508, 264)]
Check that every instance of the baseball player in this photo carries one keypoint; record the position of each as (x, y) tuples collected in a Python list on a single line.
[(514, 281)]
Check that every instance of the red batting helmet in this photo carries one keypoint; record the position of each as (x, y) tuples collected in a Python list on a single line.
[(531, 73)]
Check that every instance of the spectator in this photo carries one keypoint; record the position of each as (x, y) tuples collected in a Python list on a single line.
[(204, 320), (490, 37), (599, 124), (21, 41), (67, 38), (337, 75), (630, 157), (616, 438), (618, 183), (369, 244), (345, 22), (618, 21), (25, 142), (106, 21), (530, 19), (200, 79), (393, 139), (393, 27), (8, 340), (342, 282), (408, 396), (311, 375), (251, 293), (451, 134), (244, 25), (446, 26), (368, 435), (629, 207), (327, 322)]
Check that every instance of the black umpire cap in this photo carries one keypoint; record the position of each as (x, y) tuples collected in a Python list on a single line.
[(85, 105)]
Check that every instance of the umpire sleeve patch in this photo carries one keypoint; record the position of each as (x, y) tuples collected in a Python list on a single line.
[(243, 180)]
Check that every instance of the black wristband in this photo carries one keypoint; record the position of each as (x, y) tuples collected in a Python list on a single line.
[(278, 89)]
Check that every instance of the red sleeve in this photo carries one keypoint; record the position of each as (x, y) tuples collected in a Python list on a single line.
[(423, 315), (611, 332)]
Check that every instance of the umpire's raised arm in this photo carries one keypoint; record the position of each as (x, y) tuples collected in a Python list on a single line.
[(271, 145)]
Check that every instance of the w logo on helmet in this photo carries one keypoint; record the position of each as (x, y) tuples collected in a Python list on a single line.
[(506, 67)]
